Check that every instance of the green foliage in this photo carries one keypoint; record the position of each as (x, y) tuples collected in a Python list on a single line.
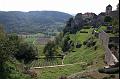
[(66, 43), (26, 53), (10, 47), (58, 39), (7, 48), (115, 24), (57, 47), (108, 20), (2, 34), (49, 49), (90, 42)]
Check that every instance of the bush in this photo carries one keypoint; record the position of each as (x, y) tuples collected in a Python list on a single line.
[(85, 42), (95, 48), (90, 43), (49, 49), (26, 53), (78, 45)]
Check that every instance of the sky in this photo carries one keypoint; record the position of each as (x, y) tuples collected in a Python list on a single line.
[(68, 6)]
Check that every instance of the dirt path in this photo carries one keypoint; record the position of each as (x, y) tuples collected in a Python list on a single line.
[(57, 66), (63, 60), (85, 71)]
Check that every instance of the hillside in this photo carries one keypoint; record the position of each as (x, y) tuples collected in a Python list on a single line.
[(33, 21), (77, 60)]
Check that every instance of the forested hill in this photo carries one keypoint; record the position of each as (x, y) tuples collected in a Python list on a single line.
[(33, 21)]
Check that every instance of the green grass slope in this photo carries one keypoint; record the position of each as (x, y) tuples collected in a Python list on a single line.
[(93, 58), (84, 54)]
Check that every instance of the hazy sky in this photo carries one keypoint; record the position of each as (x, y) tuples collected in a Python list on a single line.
[(68, 6)]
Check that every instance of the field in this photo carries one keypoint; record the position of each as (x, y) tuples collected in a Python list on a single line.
[(81, 37), (56, 72)]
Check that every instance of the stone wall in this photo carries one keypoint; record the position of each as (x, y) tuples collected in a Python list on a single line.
[(110, 58)]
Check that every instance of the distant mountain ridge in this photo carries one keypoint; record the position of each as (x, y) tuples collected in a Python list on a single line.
[(33, 21)]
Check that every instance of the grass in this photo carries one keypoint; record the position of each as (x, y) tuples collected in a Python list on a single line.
[(105, 28), (102, 28), (55, 73), (14, 71), (81, 37), (85, 54), (40, 49)]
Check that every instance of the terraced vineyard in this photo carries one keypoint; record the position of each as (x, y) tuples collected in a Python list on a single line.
[(44, 62)]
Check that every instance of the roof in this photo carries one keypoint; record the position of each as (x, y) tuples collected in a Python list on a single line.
[(109, 5)]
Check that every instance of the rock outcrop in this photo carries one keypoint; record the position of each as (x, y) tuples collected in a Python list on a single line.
[(76, 23)]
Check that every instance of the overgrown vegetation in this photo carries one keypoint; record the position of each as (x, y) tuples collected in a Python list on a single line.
[(10, 49)]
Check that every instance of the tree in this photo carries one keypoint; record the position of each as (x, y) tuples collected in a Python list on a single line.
[(49, 49), (9, 46), (26, 53), (66, 43), (7, 49), (2, 33), (115, 24), (108, 20)]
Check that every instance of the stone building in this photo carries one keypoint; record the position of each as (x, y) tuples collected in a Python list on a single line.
[(108, 9), (88, 15)]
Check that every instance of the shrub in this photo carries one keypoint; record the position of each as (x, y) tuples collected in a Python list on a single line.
[(78, 45), (26, 53), (95, 48), (91, 43), (85, 42)]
